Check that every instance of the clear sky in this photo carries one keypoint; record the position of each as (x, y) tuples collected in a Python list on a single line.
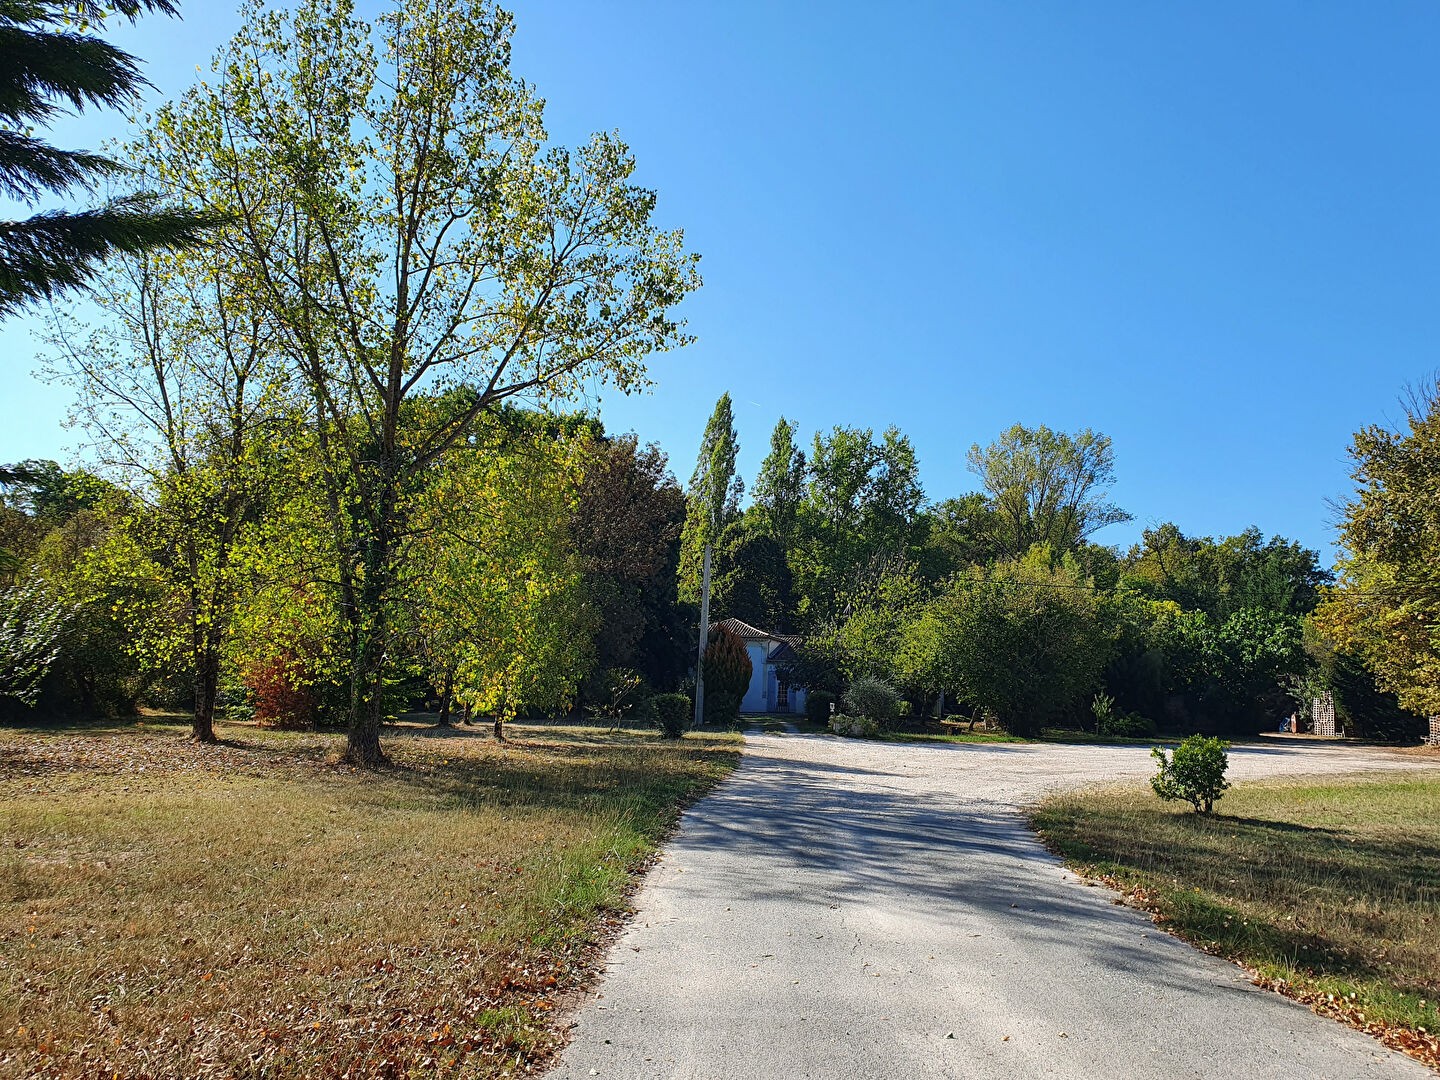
[(1209, 231)]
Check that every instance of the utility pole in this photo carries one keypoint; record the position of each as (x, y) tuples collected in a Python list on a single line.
[(704, 640)]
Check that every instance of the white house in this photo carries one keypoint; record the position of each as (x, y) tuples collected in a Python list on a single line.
[(770, 655)]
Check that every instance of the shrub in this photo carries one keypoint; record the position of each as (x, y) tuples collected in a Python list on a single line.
[(1103, 706), (818, 705), (855, 727), (906, 709), (1195, 773), (1129, 726), (727, 675), (874, 699), (280, 699), (672, 713)]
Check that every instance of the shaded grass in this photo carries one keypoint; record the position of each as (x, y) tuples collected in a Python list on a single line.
[(251, 910), (957, 737), (1328, 889)]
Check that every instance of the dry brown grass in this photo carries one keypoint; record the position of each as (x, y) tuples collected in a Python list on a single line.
[(251, 910), (1329, 889)]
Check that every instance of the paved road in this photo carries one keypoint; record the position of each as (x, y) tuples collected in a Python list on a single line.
[(866, 910)]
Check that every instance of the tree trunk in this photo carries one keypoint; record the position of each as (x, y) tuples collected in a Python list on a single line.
[(370, 627), (499, 729), (362, 742), (207, 688), (446, 698)]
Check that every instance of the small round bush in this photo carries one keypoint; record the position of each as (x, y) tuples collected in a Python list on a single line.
[(873, 699), (1195, 773), (818, 706), (672, 713)]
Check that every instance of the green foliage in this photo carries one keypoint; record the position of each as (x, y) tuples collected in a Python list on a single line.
[(874, 699), (1194, 773), (856, 521), (673, 713), (493, 585), (50, 62), (819, 704), (1023, 640), (1046, 487), (713, 498), (854, 727), (626, 530), (32, 628), (1222, 577), (1127, 725), (421, 252), (780, 486), (1102, 707), (751, 579), (727, 675), (1387, 605)]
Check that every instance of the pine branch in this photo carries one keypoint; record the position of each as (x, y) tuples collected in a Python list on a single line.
[(29, 167), (57, 252), (41, 68)]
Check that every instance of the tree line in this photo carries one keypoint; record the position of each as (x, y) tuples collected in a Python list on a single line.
[(334, 316), (1001, 604)]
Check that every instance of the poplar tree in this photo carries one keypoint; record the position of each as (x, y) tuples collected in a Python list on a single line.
[(712, 500), (780, 485), (406, 227), (49, 60)]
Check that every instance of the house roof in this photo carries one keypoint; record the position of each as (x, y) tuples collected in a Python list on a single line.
[(784, 653), (744, 631), (782, 650)]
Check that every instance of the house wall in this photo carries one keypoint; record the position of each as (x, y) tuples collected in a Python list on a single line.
[(754, 700)]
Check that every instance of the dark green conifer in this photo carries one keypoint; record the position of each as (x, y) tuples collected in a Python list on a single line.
[(50, 59)]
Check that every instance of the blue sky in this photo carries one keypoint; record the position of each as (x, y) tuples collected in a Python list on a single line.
[(1210, 232)]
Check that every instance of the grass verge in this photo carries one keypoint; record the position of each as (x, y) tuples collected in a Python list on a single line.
[(1327, 890), (249, 909)]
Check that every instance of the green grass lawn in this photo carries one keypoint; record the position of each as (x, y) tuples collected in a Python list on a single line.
[(251, 909), (1328, 888)]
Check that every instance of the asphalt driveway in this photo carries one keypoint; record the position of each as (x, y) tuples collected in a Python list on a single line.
[(869, 910)]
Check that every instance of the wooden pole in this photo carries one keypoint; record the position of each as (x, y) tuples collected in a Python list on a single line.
[(704, 638)]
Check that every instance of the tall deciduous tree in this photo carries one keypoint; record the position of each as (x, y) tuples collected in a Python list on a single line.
[(493, 586), (780, 485), (626, 526), (712, 501), (49, 60), (1047, 487), (861, 503), (179, 389), (406, 228), (1387, 606)]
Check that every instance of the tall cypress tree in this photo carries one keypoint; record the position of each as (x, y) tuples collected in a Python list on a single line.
[(713, 498), (50, 59)]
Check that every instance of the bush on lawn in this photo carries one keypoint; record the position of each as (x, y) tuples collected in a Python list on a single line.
[(854, 727), (874, 699), (672, 713), (1195, 773)]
